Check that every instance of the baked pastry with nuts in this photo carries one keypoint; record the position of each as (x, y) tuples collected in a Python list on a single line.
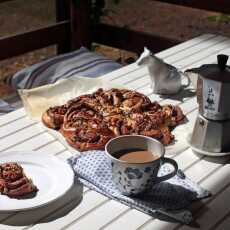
[(89, 121)]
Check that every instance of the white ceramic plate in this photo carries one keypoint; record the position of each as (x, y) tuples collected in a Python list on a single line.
[(52, 177), (203, 152)]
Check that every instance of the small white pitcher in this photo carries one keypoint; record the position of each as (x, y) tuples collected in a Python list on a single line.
[(165, 78)]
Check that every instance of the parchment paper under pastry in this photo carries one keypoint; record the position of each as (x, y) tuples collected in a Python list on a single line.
[(38, 100)]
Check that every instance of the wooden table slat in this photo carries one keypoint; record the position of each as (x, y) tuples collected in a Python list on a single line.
[(216, 41), (132, 220), (209, 59), (17, 125), (53, 146), (202, 55), (97, 218), (12, 116), (92, 200), (186, 45)]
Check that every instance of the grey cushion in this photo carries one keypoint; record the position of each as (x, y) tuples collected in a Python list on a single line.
[(81, 62)]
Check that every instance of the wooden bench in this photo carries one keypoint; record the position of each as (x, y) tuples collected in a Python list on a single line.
[(73, 30)]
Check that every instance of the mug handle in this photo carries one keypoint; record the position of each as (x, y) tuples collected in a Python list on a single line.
[(172, 174), (187, 77)]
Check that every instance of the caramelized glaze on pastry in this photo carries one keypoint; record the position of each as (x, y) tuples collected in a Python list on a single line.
[(89, 121), (13, 181)]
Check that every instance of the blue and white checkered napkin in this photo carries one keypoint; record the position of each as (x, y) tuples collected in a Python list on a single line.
[(169, 199)]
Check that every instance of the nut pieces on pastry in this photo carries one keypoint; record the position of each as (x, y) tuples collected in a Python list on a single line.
[(13, 181), (89, 121)]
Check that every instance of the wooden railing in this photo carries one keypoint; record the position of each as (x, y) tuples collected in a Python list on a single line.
[(57, 33), (73, 30), (32, 40), (130, 40)]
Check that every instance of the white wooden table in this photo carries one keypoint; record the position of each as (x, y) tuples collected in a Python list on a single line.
[(94, 211)]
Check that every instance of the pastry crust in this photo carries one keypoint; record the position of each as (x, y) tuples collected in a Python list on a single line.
[(91, 139), (89, 121), (13, 181), (53, 117)]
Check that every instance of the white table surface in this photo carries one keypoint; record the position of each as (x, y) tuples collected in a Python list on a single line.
[(85, 209)]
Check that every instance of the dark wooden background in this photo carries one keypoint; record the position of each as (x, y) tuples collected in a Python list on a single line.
[(73, 30)]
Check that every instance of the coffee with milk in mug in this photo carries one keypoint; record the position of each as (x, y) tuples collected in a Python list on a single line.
[(136, 155)]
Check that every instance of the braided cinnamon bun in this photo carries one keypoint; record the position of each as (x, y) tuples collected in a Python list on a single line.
[(79, 117), (90, 138), (53, 117), (173, 115), (84, 128), (115, 123), (112, 97), (89, 121), (134, 101), (87, 99)]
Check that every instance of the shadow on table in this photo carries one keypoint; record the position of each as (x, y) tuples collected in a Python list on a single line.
[(50, 212), (184, 93), (198, 209), (217, 160), (161, 217)]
